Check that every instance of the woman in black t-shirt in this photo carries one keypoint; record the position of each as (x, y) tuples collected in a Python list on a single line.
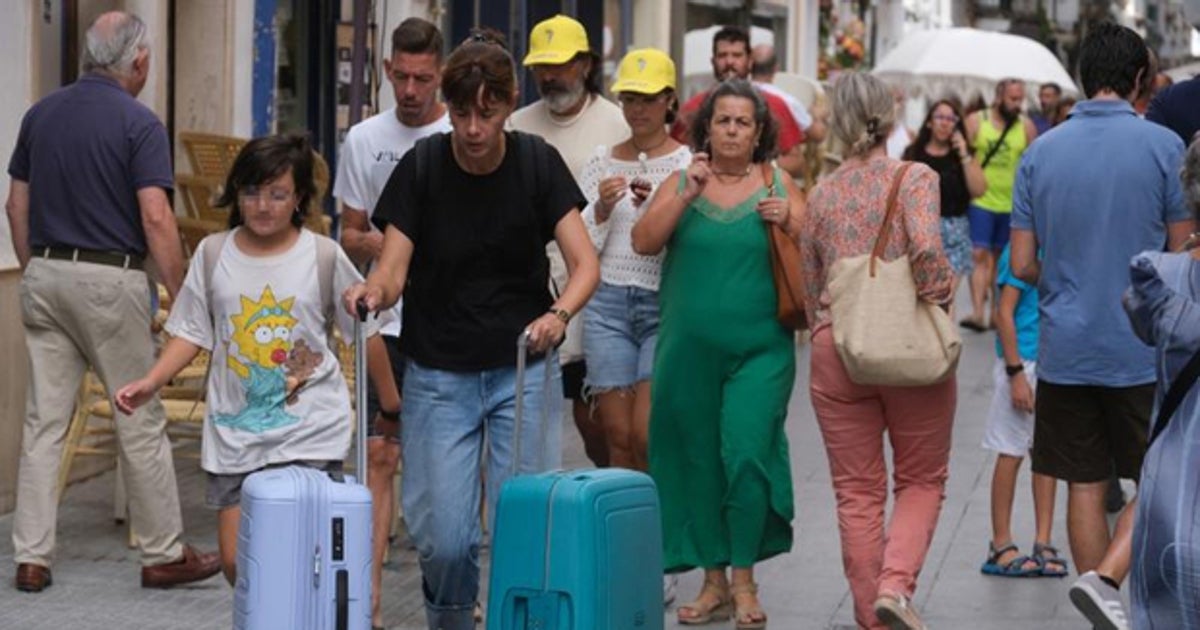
[(466, 217), (942, 145)]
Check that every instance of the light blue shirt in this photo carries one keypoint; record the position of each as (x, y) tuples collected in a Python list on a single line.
[(1025, 315), (1096, 190)]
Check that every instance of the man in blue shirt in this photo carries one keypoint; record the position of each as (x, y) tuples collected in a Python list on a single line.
[(89, 213), (1100, 189)]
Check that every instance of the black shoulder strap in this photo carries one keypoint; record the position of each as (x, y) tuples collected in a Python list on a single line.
[(430, 155), (534, 161), (1175, 393), (996, 147)]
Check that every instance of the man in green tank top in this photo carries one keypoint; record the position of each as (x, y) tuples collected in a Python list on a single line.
[(1000, 135)]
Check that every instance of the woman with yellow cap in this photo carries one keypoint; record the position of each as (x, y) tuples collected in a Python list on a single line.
[(621, 321)]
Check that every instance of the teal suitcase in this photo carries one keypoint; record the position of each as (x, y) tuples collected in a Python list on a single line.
[(577, 550)]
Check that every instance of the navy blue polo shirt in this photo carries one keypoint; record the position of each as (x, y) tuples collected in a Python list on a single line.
[(85, 150), (1178, 108)]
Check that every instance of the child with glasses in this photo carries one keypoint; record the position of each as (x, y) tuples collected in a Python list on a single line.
[(264, 309)]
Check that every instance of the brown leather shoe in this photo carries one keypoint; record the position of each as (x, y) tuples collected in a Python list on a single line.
[(33, 578), (192, 567)]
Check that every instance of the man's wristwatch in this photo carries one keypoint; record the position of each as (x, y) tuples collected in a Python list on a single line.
[(392, 416), (1013, 370), (562, 314)]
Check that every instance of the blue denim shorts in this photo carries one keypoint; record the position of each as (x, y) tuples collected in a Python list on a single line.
[(989, 230), (620, 329)]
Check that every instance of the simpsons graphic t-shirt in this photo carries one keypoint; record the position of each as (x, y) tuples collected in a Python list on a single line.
[(275, 390)]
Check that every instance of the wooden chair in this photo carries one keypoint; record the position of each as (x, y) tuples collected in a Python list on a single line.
[(199, 194), (210, 155), (315, 218), (91, 431), (192, 231)]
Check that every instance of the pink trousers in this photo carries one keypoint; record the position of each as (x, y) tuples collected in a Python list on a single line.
[(853, 419)]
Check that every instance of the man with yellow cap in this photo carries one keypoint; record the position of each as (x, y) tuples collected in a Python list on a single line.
[(573, 117)]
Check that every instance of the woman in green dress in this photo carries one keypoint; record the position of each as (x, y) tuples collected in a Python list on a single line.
[(724, 367)]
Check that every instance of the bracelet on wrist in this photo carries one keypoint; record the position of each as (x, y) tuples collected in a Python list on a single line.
[(562, 314), (1013, 370), (393, 416)]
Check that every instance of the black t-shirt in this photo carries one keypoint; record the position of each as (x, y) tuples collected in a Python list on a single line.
[(949, 168), (479, 273)]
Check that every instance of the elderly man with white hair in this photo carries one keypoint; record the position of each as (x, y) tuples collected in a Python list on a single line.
[(88, 207)]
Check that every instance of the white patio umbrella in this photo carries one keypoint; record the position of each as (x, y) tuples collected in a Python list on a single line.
[(966, 62)]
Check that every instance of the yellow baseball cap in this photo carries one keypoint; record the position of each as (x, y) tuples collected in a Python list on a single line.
[(556, 40), (645, 71)]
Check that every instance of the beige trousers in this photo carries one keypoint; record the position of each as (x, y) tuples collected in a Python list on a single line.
[(79, 314)]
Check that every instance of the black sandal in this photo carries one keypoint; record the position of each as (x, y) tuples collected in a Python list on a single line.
[(1046, 555), (1012, 568)]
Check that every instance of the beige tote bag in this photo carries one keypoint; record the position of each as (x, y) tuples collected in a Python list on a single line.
[(882, 332)]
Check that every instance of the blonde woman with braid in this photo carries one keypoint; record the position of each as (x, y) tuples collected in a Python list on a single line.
[(844, 217)]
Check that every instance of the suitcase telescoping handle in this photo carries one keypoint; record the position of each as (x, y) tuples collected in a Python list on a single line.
[(519, 404), (360, 392)]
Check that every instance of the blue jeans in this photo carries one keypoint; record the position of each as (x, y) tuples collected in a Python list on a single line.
[(620, 330), (446, 417)]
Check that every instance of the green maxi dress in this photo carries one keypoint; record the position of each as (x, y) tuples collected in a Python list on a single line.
[(723, 373)]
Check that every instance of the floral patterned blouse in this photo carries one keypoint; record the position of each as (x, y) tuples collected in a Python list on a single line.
[(845, 212)]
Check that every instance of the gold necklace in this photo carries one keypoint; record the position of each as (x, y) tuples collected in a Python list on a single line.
[(735, 177)]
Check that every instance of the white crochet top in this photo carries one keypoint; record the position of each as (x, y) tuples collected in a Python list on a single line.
[(619, 264)]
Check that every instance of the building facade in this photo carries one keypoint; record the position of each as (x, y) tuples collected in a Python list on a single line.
[(252, 67)]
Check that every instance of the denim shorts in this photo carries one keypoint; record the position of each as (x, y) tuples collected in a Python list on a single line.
[(620, 329), (989, 230)]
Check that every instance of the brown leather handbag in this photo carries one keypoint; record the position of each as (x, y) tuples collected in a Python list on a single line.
[(785, 267)]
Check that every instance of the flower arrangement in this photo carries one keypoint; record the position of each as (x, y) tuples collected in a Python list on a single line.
[(842, 45)]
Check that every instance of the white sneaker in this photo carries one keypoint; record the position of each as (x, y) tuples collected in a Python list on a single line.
[(1099, 602), (670, 585), (896, 612)]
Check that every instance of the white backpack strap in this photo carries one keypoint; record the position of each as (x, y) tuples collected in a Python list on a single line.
[(326, 266), (211, 248)]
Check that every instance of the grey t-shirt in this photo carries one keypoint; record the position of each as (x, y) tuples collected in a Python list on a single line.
[(275, 392), (85, 150)]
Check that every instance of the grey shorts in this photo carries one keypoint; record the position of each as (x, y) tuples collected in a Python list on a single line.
[(224, 491)]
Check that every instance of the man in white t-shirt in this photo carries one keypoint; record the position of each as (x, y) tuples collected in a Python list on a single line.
[(575, 119), (370, 152)]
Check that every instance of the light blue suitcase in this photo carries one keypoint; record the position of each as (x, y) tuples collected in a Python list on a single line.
[(304, 552), (576, 550), (304, 542)]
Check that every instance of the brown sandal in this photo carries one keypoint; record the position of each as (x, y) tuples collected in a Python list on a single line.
[(706, 610), (751, 617)]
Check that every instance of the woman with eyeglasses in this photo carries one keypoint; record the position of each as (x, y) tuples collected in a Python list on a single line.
[(466, 217), (942, 145)]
